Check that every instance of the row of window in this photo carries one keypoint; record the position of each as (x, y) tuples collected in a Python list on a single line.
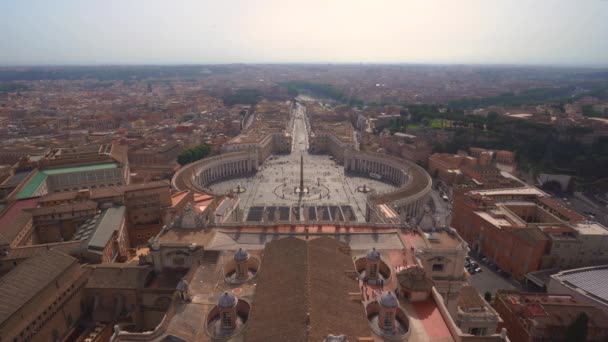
[(88, 187), (46, 315)]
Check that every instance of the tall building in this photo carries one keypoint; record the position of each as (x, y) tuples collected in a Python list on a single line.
[(523, 230), (40, 299), (532, 317)]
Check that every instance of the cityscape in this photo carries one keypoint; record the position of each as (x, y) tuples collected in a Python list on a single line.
[(375, 198)]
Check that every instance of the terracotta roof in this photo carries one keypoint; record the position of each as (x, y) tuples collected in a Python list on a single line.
[(564, 315), (105, 192), (14, 218), (120, 190), (569, 214), (529, 235), (24, 252), (281, 295), (469, 298), (21, 284), (63, 208), (177, 197), (414, 278), (180, 236), (118, 276), (59, 196), (120, 153), (299, 277), (332, 311)]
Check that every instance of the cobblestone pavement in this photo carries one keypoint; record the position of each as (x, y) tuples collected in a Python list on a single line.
[(275, 182)]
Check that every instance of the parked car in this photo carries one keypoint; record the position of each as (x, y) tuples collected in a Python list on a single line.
[(485, 260), (471, 270), (478, 270)]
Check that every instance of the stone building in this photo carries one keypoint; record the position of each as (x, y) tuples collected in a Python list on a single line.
[(73, 169), (414, 183), (128, 294), (59, 222), (475, 316), (104, 237), (586, 285), (523, 230), (442, 256), (41, 298), (407, 146), (333, 139), (531, 317)]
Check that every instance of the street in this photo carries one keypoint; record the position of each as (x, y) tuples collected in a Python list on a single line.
[(489, 281)]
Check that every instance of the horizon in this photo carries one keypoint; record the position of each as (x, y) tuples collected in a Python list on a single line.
[(440, 32), (489, 65)]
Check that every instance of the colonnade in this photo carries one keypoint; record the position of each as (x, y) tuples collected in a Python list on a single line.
[(392, 173), (199, 174), (221, 169), (414, 183)]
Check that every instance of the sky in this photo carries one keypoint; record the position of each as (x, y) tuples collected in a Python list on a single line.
[(537, 32)]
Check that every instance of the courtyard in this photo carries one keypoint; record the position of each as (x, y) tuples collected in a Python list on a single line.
[(275, 183)]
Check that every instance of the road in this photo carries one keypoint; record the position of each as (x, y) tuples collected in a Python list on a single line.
[(490, 281), (300, 131), (442, 208), (274, 183)]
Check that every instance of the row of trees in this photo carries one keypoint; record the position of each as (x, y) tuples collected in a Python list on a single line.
[(193, 154), (316, 89), (12, 87), (539, 147), (243, 96)]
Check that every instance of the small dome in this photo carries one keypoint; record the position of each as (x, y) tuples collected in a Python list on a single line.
[(227, 300), (373, 255), (241, 255), (388, 300)]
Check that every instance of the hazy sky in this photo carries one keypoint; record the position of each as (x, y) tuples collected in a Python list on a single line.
[(277, 31)]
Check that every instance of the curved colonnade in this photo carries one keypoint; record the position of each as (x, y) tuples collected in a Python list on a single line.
[(413, 182), (199, 174)]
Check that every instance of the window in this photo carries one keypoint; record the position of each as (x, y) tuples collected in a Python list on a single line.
[(437, 267), (477, 331), (373, 269), (388, 319), (226, 320), (179, 261)]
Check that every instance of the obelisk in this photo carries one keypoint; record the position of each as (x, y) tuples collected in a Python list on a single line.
[(301, 173)]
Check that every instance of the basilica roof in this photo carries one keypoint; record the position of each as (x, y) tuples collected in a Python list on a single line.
[(307, 281)]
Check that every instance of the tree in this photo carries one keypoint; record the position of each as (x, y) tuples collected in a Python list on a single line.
[(190, 155), (577, 331), (488, 296)]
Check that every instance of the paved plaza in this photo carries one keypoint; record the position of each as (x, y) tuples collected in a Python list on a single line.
[(274, 184)]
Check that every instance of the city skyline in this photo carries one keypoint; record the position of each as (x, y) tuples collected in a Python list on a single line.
[(562, 33)]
